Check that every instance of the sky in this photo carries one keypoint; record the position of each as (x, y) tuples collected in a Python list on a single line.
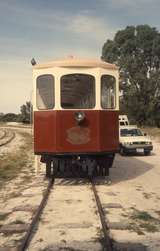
[(51, 29)]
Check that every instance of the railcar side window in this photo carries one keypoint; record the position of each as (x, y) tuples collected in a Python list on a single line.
[(108, 93), (77, 91), (45, 92)]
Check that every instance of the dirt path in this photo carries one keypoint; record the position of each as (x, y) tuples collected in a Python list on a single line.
[(133, 201), (131, 204), (18, 140)]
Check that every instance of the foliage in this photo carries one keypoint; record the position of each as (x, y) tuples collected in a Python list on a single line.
[(9, 117), (136, 50), (25, 115), (143, 221)]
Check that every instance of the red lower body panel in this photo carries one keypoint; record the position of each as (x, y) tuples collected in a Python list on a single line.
[(58, 132)]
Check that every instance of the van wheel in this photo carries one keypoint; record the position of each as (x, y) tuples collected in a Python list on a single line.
[(121, 151)]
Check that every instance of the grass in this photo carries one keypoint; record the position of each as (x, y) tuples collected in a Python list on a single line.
[(142, 221), (136, 228), (3, 216), (50, 248), (12, 163), (18, 222), (141, 215), (149, 227)]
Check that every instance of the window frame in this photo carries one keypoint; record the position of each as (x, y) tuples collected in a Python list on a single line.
[(53, 92), (94, 88), (115, 93)]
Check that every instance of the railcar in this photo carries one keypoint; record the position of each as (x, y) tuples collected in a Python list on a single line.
[(75, 109)]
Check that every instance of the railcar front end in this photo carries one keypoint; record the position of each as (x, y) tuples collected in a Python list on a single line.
[(76, 115)]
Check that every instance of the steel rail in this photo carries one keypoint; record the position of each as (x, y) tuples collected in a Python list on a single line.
[(9, 140), (27, 238), (105, 228)]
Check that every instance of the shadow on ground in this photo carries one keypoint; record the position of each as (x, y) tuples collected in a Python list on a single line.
[(71, 181), (127, 168), (124, 168)]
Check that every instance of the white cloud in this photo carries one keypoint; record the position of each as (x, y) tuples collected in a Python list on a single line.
[(90, 26), (83, 23), (134, 7), (15, 84)]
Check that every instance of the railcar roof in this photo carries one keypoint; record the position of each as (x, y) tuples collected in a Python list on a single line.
[(77, 62)]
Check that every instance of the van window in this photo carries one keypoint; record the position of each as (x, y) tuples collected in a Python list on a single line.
[(77, 91), (122, 123), (127, 132), (108, 93), (45, 92)]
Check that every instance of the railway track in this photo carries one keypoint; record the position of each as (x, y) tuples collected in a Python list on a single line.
[(53, 202), (2, 134), (36, 217), (107, 242), (6, 137)]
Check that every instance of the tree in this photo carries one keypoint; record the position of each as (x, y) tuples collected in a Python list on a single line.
[(136, 50), (26, 111), (1, 116), (9, 117)]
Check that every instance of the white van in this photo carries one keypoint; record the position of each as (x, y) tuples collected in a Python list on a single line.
[(132, 140), (123, 120)]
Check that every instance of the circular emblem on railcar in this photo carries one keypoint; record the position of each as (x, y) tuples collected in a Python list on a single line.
[(78, 135)]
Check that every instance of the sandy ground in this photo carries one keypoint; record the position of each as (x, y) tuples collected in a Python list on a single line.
[(16, 142), (13, 145), (135, 188), (19, 201), (19, 198), (2, 133), (131, 205)]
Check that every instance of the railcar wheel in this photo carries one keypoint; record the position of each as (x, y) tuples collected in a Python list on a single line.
[(101, 171), (104, 163), (55, 166), (111, 159), (68, 168), (106, 171), (76, 170), (48, 169)]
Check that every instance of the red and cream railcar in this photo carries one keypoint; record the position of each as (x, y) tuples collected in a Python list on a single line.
[(75, 107)]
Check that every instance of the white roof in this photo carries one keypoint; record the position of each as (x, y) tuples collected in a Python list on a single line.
[(76, 62), (128, 127)]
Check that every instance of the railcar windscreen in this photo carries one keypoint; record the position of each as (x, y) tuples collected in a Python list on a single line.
[(108, 92), (77, 91), (45, 92)]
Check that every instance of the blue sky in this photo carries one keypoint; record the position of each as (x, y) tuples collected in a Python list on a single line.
[(48, 29)]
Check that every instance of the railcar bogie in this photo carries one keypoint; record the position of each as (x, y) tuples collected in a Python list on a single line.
[(78, 165)]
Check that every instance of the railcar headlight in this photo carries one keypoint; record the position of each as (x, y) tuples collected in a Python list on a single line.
[(79, 116)]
